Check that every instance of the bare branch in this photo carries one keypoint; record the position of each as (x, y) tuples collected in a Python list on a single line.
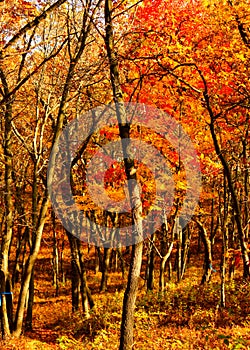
[(33, 23)]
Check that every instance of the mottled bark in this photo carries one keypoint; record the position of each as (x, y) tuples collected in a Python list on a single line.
[(127, 325)]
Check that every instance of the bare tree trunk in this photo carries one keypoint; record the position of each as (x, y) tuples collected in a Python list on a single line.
[(22, 232), (55, 258), (29, 268), (185, 250), (223, 266), (87, 299), (62, 271), (246, 184), (150, 267), (208, 253), (224, 252), (167, 244), (179, 251), (78, 278), (127, 325), (105, 267), (29, 316), (8, 200), (28, 323), (228, 174), (6, 301), (162, 267), (98, 260), (75, 278), (119, 252)]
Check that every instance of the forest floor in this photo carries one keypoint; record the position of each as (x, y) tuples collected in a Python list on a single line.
[(186, 317)]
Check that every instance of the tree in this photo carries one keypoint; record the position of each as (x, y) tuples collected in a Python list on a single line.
[(126, 339), (29, 76), (187, 70)]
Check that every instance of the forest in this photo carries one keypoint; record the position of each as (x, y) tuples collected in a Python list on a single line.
[(124, 174)]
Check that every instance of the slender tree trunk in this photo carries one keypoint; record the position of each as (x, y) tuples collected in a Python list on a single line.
[(235, 201), (208, 253), (166, 250), (29, 268), (179, 252), (29, 316), (127, 325), (119, 252), (185, 250), (8, 199), (246, 185), (224, 258), (78, 278), (105, 267), (163, 267), (75, 278), (224, 252), (21, 231), (55, 258), (150, 267), (18, 266), (62, 271), (6, 302), (87, 299), (97, 259), (28, 324)]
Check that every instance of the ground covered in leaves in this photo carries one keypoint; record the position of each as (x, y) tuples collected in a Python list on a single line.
[(187, 316)]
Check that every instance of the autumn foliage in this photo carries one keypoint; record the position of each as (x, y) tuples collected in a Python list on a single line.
[(189, 59)]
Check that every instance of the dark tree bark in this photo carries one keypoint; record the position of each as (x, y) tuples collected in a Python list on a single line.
[(208, 253), (185, 249), (55, 257), (29, 316), (75, 278), (150, 267), (86, 296), (228, 175), (78, 278), (127, 325)]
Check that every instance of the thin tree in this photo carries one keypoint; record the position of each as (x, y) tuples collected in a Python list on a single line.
[(127, 324)]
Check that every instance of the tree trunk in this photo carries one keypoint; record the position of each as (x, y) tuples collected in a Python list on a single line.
[(166, 250), (179, 252), (87, 300), (28, 270), (208, 253), (8, 198), (6, 307), (224, 258), (119, 252), (105, 267), (126, 339), (78, 278), (235, 201), (163, 267), (55, 258), (29, 316), (150, 267), (185, 249), (127, 325), (75, 278), (62, 271)]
